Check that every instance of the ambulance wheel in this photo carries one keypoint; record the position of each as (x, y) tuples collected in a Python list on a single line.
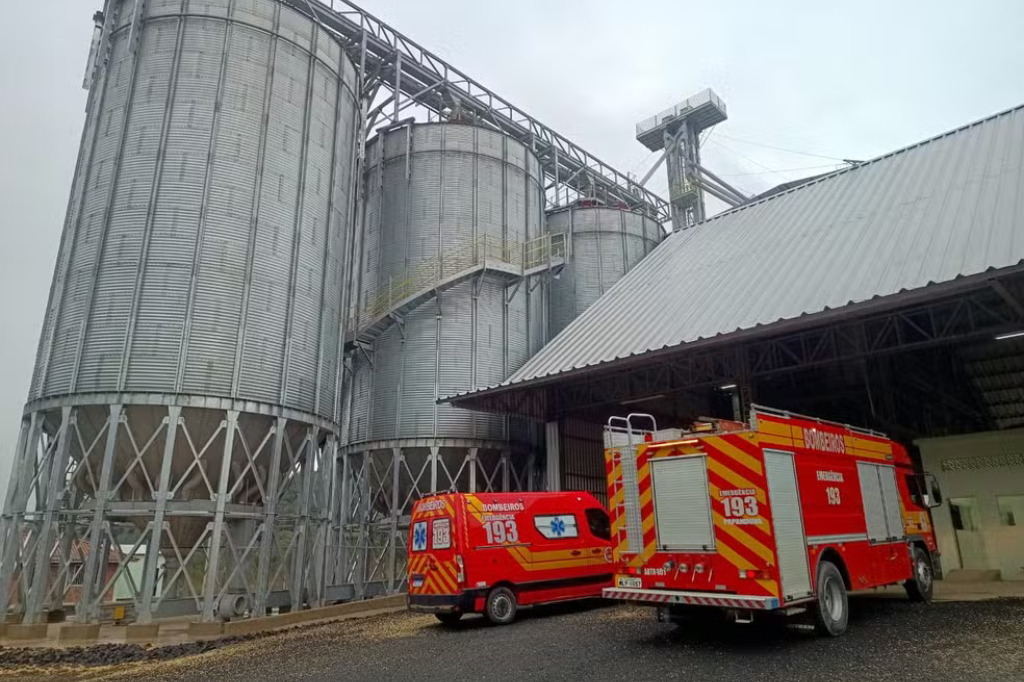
[(919, 587), (448, 619), (832, 611), (501, 606)]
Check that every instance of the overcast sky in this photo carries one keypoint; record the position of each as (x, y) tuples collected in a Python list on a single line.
[(806, 83)]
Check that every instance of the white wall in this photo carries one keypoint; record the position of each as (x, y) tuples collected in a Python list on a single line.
[(1004, 545)]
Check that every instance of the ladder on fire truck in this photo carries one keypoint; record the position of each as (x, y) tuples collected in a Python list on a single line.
[(623, 437)]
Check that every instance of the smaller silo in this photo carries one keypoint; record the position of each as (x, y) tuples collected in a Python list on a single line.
[(603, 244)]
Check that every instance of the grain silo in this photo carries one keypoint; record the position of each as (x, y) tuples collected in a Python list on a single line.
[(187, 377), (452, 233), (603, 244)]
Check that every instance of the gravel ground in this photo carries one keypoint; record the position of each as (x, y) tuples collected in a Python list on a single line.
[(888, 640)]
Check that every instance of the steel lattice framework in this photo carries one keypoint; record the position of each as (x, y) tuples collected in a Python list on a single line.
[(943, 316), (399, 74)]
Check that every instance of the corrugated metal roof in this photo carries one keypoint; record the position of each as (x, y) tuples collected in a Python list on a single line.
[(949, 207)]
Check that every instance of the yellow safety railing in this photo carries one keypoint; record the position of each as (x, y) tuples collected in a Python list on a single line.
[(461, 257)]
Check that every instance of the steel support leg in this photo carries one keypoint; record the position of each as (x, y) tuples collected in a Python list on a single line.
[(434, 457), (55, 482), (396, 462), (14, 507), (269, 521), (341, 572), (302, 525), (472, 469), (145, 614), (85, 611), (213, 565)]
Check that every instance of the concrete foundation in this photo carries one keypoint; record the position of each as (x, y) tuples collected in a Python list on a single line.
[(21, 632), (80, 633), (138, 633), (213, 629)]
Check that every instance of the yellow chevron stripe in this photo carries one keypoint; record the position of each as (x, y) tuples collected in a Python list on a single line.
[(739, 562), (734, 478), (745, 538), (736, 454), (645, 498)]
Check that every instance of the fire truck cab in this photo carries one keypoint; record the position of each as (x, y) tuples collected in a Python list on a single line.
[(493, 553), (786, 514)]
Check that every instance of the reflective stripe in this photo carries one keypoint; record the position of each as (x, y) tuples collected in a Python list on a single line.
[(834, 539), (691, 598)]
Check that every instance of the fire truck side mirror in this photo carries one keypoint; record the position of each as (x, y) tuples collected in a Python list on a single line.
[(933, 496)]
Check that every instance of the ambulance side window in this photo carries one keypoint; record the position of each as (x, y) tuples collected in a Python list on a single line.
[(600, 526), (556, 526)]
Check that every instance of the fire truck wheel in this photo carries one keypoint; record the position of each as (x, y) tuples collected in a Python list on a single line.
[(448, 619), (501, 606), (919, 587), (832, 613)]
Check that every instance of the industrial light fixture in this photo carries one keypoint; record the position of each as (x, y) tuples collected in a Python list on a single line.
[(727, 387), (1011, 335), (634, 401)]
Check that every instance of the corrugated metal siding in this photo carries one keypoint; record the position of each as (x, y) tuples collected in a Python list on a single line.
[(582, 458), (949, 207), (165, 277), (437, 190), (604, 244)]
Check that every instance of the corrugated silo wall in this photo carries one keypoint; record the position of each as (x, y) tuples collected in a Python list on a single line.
[(443, 196), (194, 324), (604, 244), (203, 248)]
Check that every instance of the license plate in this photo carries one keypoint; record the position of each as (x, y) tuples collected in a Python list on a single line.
[(628, 582), (417, 581)]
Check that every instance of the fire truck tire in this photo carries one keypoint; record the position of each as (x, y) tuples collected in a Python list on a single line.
[(501, 606), (919, 587), (449, 619), (832, 612)]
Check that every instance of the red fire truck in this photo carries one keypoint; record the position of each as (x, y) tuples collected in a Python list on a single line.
[(493, 553), (785, 514)]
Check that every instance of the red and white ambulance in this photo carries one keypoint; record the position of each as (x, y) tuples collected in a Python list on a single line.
[(785, 514), (493, 553)]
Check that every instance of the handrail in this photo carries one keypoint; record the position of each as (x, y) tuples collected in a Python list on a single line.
[(465, 256)]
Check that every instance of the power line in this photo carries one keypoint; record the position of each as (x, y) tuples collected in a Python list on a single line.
[(781, 149), (781, 170), (746, 158)]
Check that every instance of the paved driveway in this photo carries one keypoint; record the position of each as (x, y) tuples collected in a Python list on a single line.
[(889, 639)]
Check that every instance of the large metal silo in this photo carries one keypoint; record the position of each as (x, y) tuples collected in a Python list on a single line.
[(604, 243), (187, 378), (452, 249)]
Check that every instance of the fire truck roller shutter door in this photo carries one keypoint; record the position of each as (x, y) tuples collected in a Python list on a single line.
[(881, 502), (891, 495), (682, 503), (874, 507), (788, 524)]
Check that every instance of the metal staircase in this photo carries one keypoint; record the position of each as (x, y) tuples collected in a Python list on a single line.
[(512, 261)]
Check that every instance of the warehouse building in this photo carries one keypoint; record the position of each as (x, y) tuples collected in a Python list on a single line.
[(889, 294)]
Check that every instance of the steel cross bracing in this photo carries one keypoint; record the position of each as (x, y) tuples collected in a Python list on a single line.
[(411, 75), (979, 312)]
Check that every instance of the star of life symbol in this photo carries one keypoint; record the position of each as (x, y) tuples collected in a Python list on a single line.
[(419, 536), (557, 526)]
